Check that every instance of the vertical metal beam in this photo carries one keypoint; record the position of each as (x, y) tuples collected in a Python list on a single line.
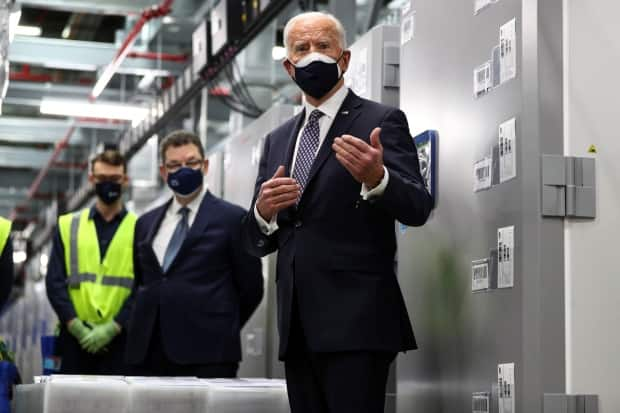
[(374, 7), (344, 10), (203, 114)]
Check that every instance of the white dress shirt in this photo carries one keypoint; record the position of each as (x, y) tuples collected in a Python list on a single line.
[(330, 109), (170, 221)]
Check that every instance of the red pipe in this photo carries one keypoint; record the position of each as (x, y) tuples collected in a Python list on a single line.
[(24, 75), (148, 14), (168, 57)]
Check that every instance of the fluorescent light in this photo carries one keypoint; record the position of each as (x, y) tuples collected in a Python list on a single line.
[(19, 257), (85, 109), (168, 20), (66, 32), (34, 31), (278, 53), (146, 82)]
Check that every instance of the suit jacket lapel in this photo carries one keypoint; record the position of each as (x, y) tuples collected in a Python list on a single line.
[(159, 217), (349, 111), (150, 236)]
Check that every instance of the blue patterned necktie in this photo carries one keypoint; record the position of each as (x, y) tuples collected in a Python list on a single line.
[(178, 236), (306, 152)]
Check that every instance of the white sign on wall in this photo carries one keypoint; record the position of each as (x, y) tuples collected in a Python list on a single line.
[(508, 51), (507, 151), (505, 257)]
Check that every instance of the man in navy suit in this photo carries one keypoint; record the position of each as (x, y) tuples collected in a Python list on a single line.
[(331, 183), (195, 287)]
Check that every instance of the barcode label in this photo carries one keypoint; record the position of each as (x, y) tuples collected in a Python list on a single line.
[(482, 79), (480, 403), (482, 174), (480, 275)]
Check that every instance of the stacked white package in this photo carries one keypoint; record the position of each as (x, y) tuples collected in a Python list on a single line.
[(29, 398), (255, 395), (75, 394), (167, 394)]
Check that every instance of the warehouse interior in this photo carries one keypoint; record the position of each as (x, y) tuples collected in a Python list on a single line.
[(510, 285)]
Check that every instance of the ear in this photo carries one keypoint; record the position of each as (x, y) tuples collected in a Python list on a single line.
[(163, 173), (205, 167), (290, 69), (126, 181), (344, 62), (91, 178)]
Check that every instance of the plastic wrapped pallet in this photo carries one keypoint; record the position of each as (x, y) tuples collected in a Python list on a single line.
[(74, 394), (29, 398), (247, 395), (164, 395)]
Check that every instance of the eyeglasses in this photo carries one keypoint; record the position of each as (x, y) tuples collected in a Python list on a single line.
[(192, 163), (108, 178)]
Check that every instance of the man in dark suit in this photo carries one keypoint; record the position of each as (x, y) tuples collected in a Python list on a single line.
[(195, 287), (331, 183)]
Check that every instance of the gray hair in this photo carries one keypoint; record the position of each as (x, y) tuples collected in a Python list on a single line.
[(342, 35)]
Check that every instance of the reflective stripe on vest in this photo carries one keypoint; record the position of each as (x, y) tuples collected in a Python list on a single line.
[(5, 232), (97, 287)]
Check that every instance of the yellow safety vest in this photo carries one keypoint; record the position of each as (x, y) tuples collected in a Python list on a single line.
[(97, 288), (5, 231)]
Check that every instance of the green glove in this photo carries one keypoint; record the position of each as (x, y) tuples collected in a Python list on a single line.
[(100, 336), (78, 329)]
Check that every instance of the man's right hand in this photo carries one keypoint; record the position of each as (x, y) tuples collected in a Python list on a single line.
[(78, 329), (277, 194)]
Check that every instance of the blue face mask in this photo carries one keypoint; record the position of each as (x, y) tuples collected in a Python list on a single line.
[(185, 181), (316, 74), (109, 192)]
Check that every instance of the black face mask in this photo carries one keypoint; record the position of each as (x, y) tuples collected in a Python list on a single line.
[(109, 192), (316, 74)]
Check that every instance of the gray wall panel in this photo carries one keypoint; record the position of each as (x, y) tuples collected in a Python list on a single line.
[(463, 336), (241, 154)]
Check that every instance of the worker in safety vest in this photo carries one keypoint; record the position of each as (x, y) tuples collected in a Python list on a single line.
[(90, 274), (6, 261)]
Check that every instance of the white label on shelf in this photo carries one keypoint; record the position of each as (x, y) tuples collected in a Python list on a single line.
[(506, 383), (480, 275), (482, 79), (407, 28), (507, 151), (482, 4), (505, 257), (357, 78), (508, 51), (482, 174), (406, 7)]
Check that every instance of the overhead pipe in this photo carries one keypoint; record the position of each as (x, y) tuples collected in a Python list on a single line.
[(148, 14), (167, 57), (24, 75)]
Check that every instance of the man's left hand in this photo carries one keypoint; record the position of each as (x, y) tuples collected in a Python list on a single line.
[(363, 161), (100, 336)]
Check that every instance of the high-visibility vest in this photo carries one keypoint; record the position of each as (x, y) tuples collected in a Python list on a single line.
[(97, 288), (5, 232)]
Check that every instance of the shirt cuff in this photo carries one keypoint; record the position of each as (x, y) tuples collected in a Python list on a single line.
[(266, 228), (378, 190)]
